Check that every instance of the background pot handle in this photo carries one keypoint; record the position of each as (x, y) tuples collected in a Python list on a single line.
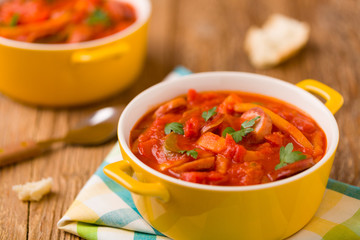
[(99, 54), (119, 172), (334, 100)]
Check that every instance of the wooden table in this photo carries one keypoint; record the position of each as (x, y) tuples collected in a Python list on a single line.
[(203, 35)]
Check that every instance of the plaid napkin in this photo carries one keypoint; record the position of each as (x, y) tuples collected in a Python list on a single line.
[(105, 210)]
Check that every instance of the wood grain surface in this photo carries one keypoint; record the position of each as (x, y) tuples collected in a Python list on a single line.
[(203, 35)]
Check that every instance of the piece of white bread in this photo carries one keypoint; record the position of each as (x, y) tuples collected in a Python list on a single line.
[(280, 38), (33, 191)]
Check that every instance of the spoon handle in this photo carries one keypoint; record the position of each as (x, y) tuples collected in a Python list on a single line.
[(21, 151)]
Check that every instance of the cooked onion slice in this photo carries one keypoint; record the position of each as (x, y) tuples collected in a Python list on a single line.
[(211, 125), (197, 165), (171, 142), (170, 106)]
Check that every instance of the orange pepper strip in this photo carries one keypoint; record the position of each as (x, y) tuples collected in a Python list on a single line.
[(318, 142), (279, 122), (51, 25)]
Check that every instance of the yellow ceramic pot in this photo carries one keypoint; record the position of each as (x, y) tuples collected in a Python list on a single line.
[(78, 73), (184, 210)]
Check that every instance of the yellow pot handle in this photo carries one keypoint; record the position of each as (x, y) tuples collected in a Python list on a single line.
[(334, 100), (118, 172), (99, 54)]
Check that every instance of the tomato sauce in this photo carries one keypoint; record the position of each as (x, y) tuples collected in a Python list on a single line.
[(63, 21), (228, 139)]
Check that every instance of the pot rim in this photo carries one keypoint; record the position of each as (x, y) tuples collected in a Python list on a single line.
[(143, 16), (330, 148)]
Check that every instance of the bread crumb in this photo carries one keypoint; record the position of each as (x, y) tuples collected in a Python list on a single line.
[(33, 191), (280, 38)]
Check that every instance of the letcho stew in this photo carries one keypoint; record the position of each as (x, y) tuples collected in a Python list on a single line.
[(63, 21), (227, 138)]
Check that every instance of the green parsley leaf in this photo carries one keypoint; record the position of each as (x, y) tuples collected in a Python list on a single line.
[(245, 129), (228, 130), (207, 115), (192, 153), (14, 20), (98, 16), (238, 135), (287, 156), (175, 127), (249, 123)]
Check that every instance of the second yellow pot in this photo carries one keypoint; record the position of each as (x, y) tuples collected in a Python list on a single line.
[(74, 74)]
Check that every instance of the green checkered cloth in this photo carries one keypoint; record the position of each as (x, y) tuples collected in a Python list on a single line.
[(105, 210)]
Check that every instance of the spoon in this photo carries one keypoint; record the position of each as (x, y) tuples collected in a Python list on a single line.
[(94, 130)]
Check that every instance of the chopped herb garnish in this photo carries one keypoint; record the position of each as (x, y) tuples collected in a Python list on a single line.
[(192, 153), (245, 129), (14, 20), (174, 127), (249, 123), (228, 130), (98, 16), (287, 156), (207, 115)]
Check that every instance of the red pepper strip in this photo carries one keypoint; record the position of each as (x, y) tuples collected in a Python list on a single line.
[(212, 178), (280, 123), (50, 25), (251, 156), (291, 169)]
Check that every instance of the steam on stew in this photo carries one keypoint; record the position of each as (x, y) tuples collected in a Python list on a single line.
[(227, 138), (63, 21)]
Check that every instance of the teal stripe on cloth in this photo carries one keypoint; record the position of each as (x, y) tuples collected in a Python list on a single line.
[(116, 188), (118, 218), (344, 188), (182, 71), (119, 190), (144, 236)]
